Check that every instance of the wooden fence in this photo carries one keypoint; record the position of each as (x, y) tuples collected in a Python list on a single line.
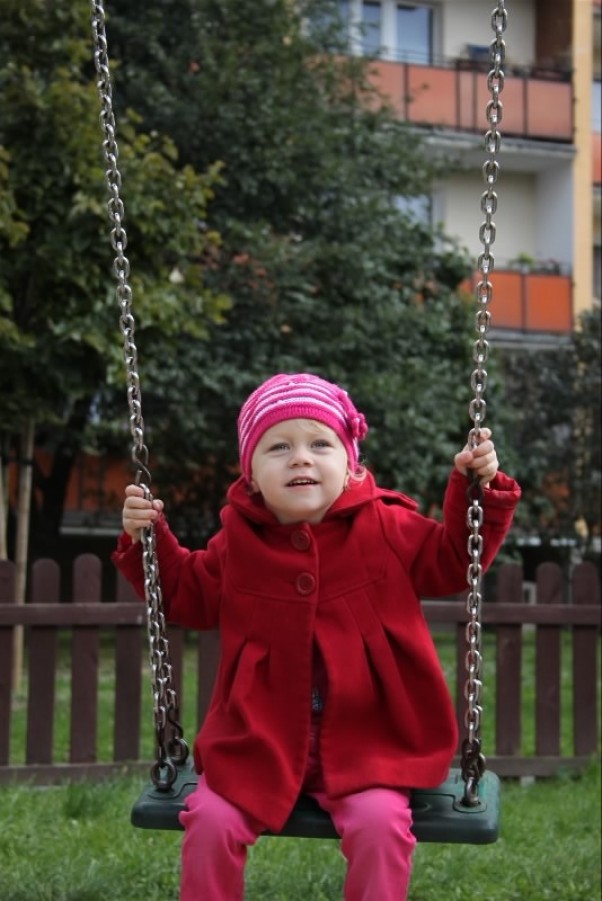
[(563, 618)]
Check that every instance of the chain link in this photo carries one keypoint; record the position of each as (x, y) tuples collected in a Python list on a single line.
[(473, 761), (171, 747), (165, 703)]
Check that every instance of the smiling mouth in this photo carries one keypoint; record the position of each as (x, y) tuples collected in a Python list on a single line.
[(295, 482)]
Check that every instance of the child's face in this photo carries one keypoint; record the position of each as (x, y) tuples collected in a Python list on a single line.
[(300, 467)]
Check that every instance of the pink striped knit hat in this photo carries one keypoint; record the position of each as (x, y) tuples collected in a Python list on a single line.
[(298, 396)]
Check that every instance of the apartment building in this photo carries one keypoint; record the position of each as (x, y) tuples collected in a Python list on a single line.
[(432, 57)]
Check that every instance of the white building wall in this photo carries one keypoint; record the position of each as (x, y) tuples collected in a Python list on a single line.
[(469, 22), (553, 228), (458, 206)]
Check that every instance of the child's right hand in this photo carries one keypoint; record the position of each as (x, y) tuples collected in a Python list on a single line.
[(138, 511)]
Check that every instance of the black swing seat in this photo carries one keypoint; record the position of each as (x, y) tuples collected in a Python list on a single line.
[(439, 815)]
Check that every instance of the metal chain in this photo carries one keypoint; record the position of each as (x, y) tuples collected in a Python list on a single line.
[(473, 761), (164, 695), (171, 747)]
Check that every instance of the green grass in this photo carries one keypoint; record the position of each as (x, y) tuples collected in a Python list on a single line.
[(75, 843)]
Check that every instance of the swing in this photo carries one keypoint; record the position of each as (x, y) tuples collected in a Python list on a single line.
[(464, 808)]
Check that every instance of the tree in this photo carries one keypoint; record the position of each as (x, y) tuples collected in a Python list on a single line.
[(556, 415), (59, 345), (325, 269)]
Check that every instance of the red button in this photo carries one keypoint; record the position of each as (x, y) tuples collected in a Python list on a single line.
[(300, 540), (305, 583)]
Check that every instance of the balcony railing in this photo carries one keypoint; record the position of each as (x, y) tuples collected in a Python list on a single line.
[(536, 104), (531, 302)]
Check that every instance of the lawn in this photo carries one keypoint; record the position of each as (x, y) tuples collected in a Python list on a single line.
[(75, 843)]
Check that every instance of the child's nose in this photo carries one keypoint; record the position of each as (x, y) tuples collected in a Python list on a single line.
[(301, 455)]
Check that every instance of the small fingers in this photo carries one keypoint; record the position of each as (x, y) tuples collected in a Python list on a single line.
[(482, 459), (139, 512), (484, 462)]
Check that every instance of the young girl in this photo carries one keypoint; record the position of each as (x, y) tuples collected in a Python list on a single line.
[(329, 682)]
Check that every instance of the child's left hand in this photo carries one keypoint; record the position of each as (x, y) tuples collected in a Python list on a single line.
[(482, 460)]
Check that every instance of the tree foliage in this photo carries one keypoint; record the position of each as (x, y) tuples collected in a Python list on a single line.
[(268, 193), (554, 443), (325, 269), (59, 343)]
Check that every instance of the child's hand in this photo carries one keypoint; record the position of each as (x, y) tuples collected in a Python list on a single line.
[(482, 460), (138, 512)]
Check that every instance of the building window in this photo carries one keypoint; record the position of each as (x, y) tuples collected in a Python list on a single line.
[(371, 28), (345, 18), (414, 33), (417, 209)]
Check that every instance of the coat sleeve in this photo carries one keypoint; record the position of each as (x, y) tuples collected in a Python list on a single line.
[(190, 580), (435, 554)]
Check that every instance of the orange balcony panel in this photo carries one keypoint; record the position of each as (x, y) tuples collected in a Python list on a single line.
[(549, 109), (529, 301), (548, 306), (514, 120), (388, 78), (507, 304), (596, 158), (431, 95), (457, 98)]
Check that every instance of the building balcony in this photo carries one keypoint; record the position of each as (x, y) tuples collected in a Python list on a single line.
[(537, 104), (530, 301)]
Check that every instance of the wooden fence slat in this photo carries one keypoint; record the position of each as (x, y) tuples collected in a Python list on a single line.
[(128, 693), (42, 642), (497, 614), (440, 612), (509, 646), (7, 597), (549, 580), (585, 665), (85, 647), (75, 614), (128, 681)]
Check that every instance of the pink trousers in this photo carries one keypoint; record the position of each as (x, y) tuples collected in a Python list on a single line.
[(376, 841)]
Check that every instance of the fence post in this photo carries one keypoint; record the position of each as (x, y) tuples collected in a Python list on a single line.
[(7, 596), (41, 656), (128, 680), (586, 590), (509, 646), (547, 665), (84, 664)]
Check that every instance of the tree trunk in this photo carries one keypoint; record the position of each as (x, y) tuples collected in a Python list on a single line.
[(22, 541), (51, 489), (3, 506)]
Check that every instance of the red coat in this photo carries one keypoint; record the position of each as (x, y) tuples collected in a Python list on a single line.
[(351, 584)]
